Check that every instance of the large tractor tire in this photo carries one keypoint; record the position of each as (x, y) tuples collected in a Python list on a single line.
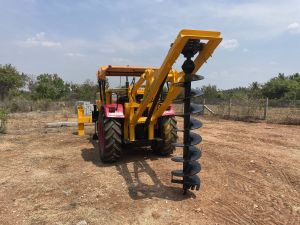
[(167, 132), (109, 139)]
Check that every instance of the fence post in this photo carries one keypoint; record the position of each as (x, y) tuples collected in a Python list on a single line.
[(229, 108), (266, 108), (248, 107), (203, 106)]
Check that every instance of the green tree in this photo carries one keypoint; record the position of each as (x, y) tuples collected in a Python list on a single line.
[(87, 91), (255, 90), (49, 86), (282, 86), (10, 80), (239, 92), (210, 91)]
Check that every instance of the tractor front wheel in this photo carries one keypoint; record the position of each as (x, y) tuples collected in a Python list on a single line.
[(109, 139)]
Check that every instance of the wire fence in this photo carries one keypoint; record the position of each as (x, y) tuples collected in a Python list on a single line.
[(277, 111), (24, 105)]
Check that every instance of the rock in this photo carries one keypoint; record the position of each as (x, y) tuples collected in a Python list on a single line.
[(296, 208), (72, 205), (252, 161), (67, 192), (198, 210), (251, 171), (155, 215), (255, 206), (82, 222)]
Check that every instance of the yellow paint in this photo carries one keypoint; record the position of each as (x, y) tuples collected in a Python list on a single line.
[(151, 79), (151, 131), (132, 132), (82, 119)]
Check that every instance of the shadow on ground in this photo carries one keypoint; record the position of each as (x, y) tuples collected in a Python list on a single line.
[(136, 188)]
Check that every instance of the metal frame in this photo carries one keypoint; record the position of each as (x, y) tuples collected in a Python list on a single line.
[(153, 79), (82, 119)]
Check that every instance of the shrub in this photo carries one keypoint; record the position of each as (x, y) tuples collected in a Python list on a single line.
[(3, 120)]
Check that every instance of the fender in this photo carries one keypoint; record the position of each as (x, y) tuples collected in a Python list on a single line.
[(169, 112), (114, 110)]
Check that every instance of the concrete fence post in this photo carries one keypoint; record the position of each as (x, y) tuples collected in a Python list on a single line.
[(229, 107), (203, 106), (266, 108)]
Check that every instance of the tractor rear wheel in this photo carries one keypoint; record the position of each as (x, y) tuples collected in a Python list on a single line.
[(109, 139), (167, 132)]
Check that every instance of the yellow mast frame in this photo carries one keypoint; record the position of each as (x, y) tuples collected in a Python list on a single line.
[(155, 77)]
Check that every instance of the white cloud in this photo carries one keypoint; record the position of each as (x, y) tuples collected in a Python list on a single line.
[(39, 40), (230, 44), (243, 19), (74, 54), (294, 27)]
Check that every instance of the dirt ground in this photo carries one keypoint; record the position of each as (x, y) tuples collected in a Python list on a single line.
[(250, 175)]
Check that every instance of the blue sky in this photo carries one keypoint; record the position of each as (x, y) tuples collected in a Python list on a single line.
[(72, 37)]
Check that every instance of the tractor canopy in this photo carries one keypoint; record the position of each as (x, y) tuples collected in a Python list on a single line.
[(124, 71)]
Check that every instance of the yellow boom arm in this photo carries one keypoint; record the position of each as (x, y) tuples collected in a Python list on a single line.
[(213, 39)]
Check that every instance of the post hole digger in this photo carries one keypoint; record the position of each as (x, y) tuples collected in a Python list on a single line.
[(141, 114)]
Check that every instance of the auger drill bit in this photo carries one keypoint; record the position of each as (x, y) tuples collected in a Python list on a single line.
[(190, 153)]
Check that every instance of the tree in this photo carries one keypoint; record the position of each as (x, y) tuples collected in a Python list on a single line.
[(50, 86), (210, 91), (87, 91), (84, 92), (10, 79), (282, 86), (255, 90)]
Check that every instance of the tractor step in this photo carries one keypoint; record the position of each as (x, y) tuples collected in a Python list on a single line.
[(143, 142)]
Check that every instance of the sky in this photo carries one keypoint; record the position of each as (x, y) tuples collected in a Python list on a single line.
[(72, 38)]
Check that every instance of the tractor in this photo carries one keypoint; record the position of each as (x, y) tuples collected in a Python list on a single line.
[(140, 113)]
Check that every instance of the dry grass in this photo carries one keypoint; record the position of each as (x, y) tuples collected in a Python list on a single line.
[(250, 175), (17, 105), (286, 115)]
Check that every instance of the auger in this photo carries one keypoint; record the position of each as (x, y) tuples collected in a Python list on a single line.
[(140, 113), (190, 153)]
